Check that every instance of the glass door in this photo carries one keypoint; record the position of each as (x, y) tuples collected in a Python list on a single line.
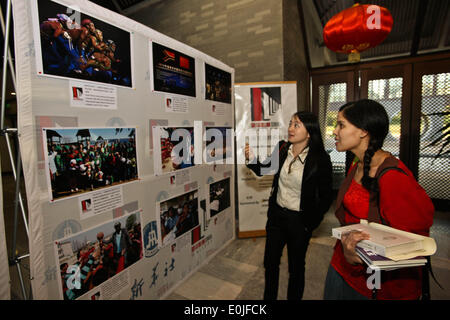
[(416, 95), (329, 93), (432, 81), (389, 87)]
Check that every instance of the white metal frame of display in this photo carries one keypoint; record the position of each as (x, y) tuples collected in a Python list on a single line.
[(8, 133)]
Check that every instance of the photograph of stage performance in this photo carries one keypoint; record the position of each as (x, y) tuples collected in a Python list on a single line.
[(76, 45)]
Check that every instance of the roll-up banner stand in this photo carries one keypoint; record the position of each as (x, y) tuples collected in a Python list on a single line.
[(263, 111), (111, 116)]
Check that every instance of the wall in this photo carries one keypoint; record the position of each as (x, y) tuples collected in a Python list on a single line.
[(260, 39), (295, 67), (320, 55)]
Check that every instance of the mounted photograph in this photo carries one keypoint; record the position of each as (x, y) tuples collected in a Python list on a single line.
[(72, 44), (173, 71), (80, 160), (217, 84), (173, 148), (178, 216)]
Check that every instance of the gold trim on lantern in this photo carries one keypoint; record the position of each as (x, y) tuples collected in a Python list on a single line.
[(348, 47), (363, 46)]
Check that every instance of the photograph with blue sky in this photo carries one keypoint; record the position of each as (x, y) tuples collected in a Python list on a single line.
[(86, 159)]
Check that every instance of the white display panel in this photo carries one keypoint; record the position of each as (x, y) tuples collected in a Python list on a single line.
[(65, 102)]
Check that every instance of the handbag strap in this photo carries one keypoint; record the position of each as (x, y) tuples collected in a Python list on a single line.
[(375, 214)]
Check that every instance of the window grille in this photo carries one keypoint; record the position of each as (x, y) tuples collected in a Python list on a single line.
[(331, 98), (388, 92), (434, 169)]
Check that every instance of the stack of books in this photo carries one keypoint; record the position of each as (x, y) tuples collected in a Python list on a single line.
[(388, 248), (375, 261)]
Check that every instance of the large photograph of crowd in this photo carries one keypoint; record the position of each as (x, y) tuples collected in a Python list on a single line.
[(218, 84), (89, 258), (178, 216), (80, 160), (76, 45), (173, 71)]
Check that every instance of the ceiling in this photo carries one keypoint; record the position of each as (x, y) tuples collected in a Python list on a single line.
[(420, 26)]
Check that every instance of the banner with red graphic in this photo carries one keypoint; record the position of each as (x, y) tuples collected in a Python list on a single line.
[(262, 112)]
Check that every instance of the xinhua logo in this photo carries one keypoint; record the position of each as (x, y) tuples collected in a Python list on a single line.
[(150, 239)]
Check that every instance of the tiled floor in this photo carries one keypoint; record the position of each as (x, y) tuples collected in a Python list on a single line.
[(240, 265), (237, 273)]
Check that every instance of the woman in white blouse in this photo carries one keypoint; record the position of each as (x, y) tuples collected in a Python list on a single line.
[(301, 195)]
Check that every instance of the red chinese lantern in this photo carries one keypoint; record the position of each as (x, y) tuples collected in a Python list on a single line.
[(356, 29)]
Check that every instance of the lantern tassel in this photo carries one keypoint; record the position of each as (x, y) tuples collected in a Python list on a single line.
[(354, 56)]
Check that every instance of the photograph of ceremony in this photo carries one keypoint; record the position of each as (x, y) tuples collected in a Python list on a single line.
[(76, 45), (89, 258), (174, 148), (178, 216), (80, 160), (219, 196)]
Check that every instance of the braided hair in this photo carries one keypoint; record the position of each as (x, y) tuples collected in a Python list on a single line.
[(370, 116)]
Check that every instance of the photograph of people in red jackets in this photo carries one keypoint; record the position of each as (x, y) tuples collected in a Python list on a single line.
[(361, 128)]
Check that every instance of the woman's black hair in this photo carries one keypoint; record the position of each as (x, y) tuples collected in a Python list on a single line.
[(315, 143), (370, 116), (311, 124)]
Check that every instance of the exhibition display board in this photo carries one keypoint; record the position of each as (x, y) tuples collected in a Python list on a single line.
[(263, 111), (123, 133)]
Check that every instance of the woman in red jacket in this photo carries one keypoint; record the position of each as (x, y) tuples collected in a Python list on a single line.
[(403, 204)]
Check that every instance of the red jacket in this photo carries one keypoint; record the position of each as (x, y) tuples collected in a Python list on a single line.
[(404, 205)]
